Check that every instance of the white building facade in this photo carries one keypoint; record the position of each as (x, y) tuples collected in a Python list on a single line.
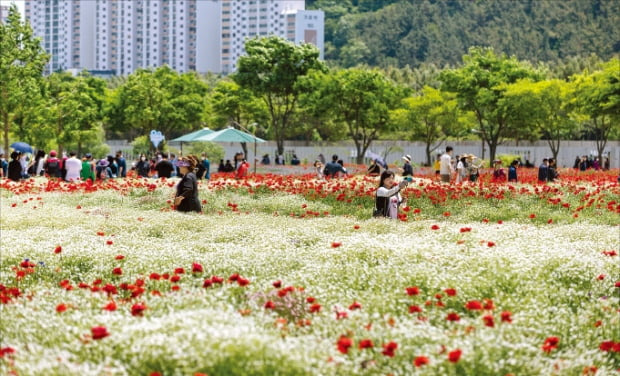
[(121, 36)]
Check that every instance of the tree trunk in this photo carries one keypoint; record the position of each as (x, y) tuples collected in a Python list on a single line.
[(5, 123), (428, 154)]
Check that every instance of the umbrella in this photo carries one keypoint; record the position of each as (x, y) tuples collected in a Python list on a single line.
[(22, 147), (232, 135), (376, 157), (190, 137), (193, 136)]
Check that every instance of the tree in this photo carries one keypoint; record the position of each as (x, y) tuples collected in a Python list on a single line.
[(480, 85), (159, 99), (271, 69), (544, 107), (598, 97), (431, 117), (361, 99), (22, 60)]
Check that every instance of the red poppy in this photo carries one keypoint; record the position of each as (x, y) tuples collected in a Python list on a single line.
[(357, 227), (366, 344), (58, 249), (550, 344), (344, 343), (606, 346), (336, 244), (310, 299), (175, 278), (415, 309), (453, 316), (389, 349), (490, 244), (455, 355), (414, 290), (269, 305), (119, 257), (179, 271), (99, 332), (277, 284), (434, 227), (488, 320), (117, 271), (506, 316), (354, 306), (138, 309), (315, 308), (450, 292), (196, 268), (109, 242), (61, 307), (421, 361), (111, 306), (473, 305)]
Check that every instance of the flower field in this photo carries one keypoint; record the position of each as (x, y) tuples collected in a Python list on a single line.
[(288, 275)]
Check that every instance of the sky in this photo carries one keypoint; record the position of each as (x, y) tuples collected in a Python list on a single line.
[(20, 4)]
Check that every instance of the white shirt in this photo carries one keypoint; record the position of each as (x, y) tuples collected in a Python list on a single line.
[(73, 167), (445, 164), (395, 199)]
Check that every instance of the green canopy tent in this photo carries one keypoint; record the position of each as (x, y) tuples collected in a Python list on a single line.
[(232, 135), (191, 137)]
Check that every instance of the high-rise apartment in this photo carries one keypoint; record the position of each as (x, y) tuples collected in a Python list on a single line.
[(121, 36)]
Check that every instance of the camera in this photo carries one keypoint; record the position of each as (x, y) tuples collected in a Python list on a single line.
[(408, 179)]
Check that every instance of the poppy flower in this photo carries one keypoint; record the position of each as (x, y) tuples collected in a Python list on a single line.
[(465, 229), (550, 344), (175, 278), (117, 271), (60, 308), (415, 309), (421, 361), (179, 271), (488, 320), (277, 284), (532, 216), (315, 308), (111, 306), (606, 346), (414, 290), (100, 233), (473, 305), (109, 242), (58, 249), (138, 309), (357, 227), (344, 343), (99, 332), (490, 244), (310, 299), (366, 344), (196, 268), (455, 355), (450, 292), (336, 244), (269, 305), (354, 306), (434, 227), (389, 349), (506, 316), (119, 257), (453, 316), (243, 282), (6, 351)]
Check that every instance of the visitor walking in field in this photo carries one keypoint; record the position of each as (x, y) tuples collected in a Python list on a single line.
[(512, 171), (186, 198), (445, 165), (388, 198)]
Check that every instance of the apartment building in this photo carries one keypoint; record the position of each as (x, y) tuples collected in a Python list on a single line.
[(121, 36)]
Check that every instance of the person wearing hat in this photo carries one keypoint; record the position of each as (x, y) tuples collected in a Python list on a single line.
[(103, 169), (407, 168), (499, 175), (88, 168), (52, 165), (186, 198), (473, 167)]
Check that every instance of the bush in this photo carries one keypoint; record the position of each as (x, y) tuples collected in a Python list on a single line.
[(213, 150)]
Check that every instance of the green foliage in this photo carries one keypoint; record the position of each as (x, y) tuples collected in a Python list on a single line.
[(214, 151), (404, 32), (141, 145), (21, 63), (271, 69)]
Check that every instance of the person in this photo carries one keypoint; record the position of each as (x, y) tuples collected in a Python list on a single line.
[(595, 164), (577, 162), (388, 197), (543, 171), (206, 164), (73, 166), (437, 166), (473, 167), (606, 164), (228, 167), (512, 171), (499, 175), (173, 160), (318, 167), (407, 168), (333, 168), (15, 168), (265, 160), (445, 165), (341, 163), (39, 161), (295, 161), (374, 169), (242, 171), (52, 165), (142, 167), (4, 166), (88, 168), (552, 172), (583, 163), (23, 161), (221, 167), (122, 165), (113, 166), (322, 159), (461, 169), (164, 168), (186, 198), (102, 169)]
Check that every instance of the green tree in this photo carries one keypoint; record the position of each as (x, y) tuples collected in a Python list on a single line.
[(271, 69), (480, 85), (598, 97), (431, 117), (22, 60), (361, 99), (159, 99), (545, 107)]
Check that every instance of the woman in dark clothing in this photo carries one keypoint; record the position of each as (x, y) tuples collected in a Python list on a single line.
[(186, 198), (15, 168), (142, 167)]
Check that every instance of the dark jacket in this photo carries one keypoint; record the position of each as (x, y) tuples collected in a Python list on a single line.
[(188, 188), (543, 172), (15, 170), (407, 169)]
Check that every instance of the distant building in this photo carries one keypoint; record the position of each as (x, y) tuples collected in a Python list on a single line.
[(188, 35), (4, 13)]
